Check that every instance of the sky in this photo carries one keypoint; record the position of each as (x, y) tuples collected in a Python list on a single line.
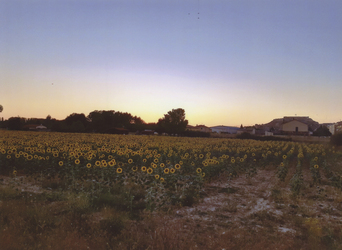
[(225, 62)]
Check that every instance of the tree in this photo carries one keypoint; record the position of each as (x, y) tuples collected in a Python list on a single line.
[(73, 122), (322, 131), (1, 108), (173, 122), (15, 123)]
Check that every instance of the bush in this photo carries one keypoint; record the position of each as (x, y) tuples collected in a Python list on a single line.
[(336, 140)]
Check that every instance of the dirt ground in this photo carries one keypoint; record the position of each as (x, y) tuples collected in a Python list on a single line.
[(247, 213)]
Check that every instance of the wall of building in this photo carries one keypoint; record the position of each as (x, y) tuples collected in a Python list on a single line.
[(291, 126)]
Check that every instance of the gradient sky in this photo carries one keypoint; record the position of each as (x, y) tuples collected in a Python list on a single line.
[(227, 62)]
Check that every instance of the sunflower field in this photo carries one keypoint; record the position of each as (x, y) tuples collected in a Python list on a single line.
[(100, 191), (169, 170)]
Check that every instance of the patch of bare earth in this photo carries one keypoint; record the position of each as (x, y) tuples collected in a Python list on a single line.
[(259, 213), (22, 184)]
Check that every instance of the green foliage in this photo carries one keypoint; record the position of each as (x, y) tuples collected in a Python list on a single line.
[(173, 122), (282, 172), (322, 131), (297, 181)]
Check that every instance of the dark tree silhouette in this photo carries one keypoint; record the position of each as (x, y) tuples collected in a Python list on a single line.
[(76, 122), (104, 121), (15, 123), (173, 122), (322, 131)]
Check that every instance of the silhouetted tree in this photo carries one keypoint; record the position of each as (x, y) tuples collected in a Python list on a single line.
[(322, 131), (173, 122), (104, 121), (1, 108), (15, 123), (73, 120), (101, 120)]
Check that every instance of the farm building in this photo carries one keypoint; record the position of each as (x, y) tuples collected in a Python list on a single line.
[(295, 126), (224, 129), (335, 128), (35, 127), (249, 130), (200, 128)]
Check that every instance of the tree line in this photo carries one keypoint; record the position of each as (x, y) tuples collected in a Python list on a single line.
[(104, 121)]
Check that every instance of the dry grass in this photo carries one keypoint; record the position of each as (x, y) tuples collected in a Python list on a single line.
[(257, 213)]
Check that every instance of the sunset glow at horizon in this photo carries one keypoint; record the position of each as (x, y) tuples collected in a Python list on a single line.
[(224, 62)]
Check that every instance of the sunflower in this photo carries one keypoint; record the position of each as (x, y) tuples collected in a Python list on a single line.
[(130, 161), (8, 156), (88, 165), (156, 176), (119, 170), (97, 163), (77, 161), (15, 172), (144, 160), (284, 157), (316, 166), (177, 166), (172, 170), (162, 165), (242, 159), (232, 160), (143, 168), (166, 170), (180, 163), (111, 163), (104, 164), (282, 164), (203, 174), (156, 160), (60, 163), (201, 156), (149, 170), (198, 170), (135, 168), (162, 179)]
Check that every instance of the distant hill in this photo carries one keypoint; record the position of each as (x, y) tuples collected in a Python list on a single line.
[(276, 124)]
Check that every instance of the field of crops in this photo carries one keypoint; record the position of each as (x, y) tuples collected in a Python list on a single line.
[(170, 163), (148, 173)]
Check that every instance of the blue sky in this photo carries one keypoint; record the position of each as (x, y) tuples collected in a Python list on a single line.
[(225, 62)]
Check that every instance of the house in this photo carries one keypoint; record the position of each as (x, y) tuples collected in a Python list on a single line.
[(295, 127), (199, 128), (249, 130), (35, 127), (224, 129), (335, 128), (41, 128)]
